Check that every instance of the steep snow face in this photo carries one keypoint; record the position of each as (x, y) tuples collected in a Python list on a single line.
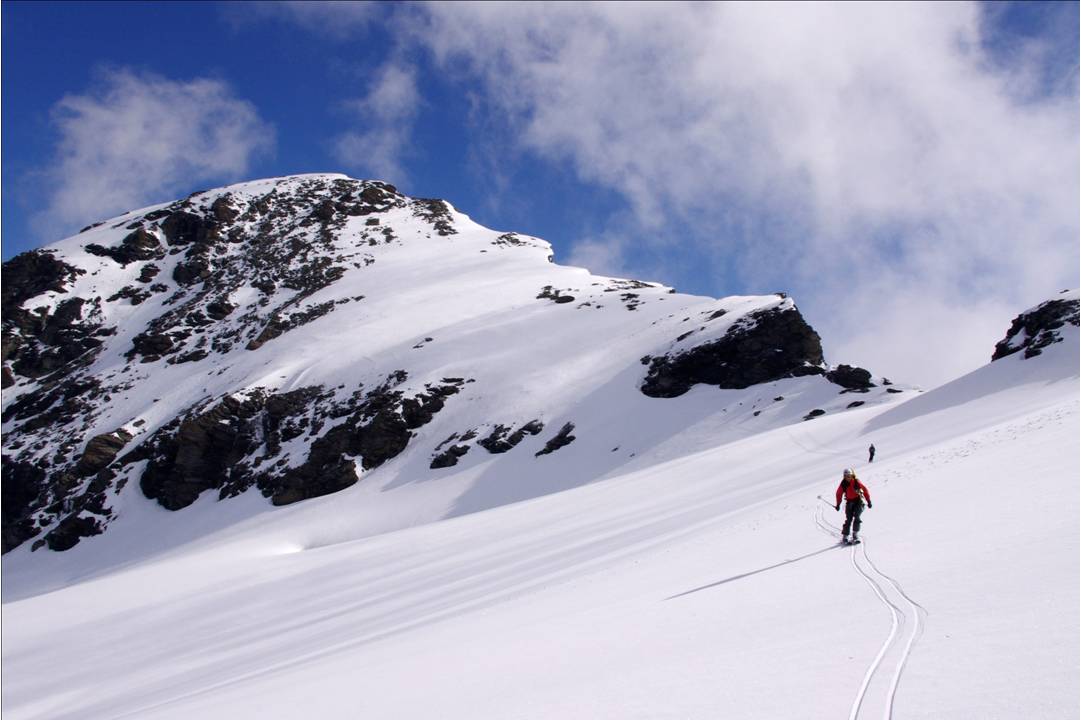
[(293, 336)]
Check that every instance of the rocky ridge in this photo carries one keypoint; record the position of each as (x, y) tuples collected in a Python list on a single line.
[(1037, 328), (291, 336)]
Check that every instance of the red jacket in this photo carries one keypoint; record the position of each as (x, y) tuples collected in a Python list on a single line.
[(852, 490)]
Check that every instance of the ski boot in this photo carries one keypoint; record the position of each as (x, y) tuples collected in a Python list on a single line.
[(855, 539)]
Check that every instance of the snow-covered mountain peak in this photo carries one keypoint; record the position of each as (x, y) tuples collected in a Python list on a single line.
[(292, 336)]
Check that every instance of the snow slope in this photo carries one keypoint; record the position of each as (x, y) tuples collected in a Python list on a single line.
[(702, 581), (340, 299)]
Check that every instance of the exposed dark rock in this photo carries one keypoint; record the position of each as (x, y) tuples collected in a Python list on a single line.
[(101, 450), (150, 345), (219, 309), (276, 326), (191, 356), (139, 245), (30, 274), (39, 343), (148, 273), (627, 284), (556, 296), (184, 228), (21, 486), (207, 451), (852, 378), (1035, 330), (285, 415), (499, 441), (449, 457), (854, 404), (374, 430), (562, 438), (71, 530), (766, 346), (420, 410), (194, 270), (437, 212), (135, 295), (814, 413), (57, 401), (223, 211)]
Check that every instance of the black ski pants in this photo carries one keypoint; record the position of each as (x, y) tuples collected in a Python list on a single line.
[(853, 510)]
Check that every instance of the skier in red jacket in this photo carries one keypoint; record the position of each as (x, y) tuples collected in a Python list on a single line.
[(854, 492)]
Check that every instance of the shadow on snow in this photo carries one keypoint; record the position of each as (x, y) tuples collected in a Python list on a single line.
[(754, 572)]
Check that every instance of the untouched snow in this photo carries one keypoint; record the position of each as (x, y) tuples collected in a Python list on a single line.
[(697, 580)]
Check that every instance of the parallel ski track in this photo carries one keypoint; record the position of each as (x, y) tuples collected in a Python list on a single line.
[(898, 619)]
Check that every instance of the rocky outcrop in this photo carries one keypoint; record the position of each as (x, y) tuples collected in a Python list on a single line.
[(101, 450), (1036, 329), (501, 439), (436, 212), (498, 441), (139, 245), (22, 485), (71, 530), (561, 439), (377, 429), (42, 341), (449, 457), (851, 378), (206, 450), (762, 347), (231, 445)]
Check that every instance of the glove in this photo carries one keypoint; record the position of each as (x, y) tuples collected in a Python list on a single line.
[(837, 507), (869, 506)]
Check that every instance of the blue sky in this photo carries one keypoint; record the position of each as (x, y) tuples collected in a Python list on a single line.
[(885, 164)]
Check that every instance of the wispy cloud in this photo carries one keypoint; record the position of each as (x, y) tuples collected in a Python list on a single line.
[(912, 173), (896, 166), (386, 114), (136, 139)]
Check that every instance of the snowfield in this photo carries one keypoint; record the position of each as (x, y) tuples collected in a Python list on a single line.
[(701, 579)]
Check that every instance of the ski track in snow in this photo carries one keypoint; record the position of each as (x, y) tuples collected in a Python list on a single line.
[(879, 581)]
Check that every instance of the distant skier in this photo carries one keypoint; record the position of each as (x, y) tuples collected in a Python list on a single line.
[(871, 453), (854, 492)]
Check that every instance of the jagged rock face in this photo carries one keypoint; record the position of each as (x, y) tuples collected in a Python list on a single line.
[(766, 346), (1036, 329), (39, 342), (295, 336)]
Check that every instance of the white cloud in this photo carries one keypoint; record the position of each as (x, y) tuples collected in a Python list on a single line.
[(386, 113), (138, 139), (604, 255), (917, 178)]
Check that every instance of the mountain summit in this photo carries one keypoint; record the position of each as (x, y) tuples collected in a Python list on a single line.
[(293, 336)]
